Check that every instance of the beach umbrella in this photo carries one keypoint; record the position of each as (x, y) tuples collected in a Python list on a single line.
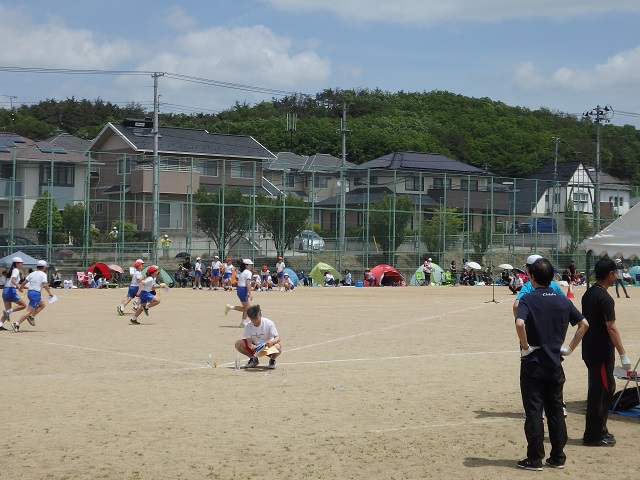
[(506, 266), (474, 265), (115, 268)]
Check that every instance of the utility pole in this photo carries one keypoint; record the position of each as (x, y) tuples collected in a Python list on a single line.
[(155, 227), (343, 189), (598, 115), (555, 210), (292, 120), (11, 99)]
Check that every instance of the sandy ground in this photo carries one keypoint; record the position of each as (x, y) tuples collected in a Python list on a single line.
[(385, 383)]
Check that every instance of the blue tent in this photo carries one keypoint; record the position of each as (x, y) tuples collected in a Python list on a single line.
[(293, 276)]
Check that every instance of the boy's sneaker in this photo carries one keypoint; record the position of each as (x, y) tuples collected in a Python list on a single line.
[(135, 308), (527, 464), (135, 303), (15, 326), (32, 320), (5, 316), (120, 310), (272, 364), (227, 308), (2, 327), (134, 321), (553, 463), (146, 310), (243, 323), (252, 363)]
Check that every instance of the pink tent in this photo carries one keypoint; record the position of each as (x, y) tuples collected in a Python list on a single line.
[(387, 274)]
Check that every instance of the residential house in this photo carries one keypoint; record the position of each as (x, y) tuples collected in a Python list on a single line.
[(429, 179), (188, 159), (314, 178), (28, 168)]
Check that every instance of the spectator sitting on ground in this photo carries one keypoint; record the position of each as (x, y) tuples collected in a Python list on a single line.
[(346, 278), (329, 280), (516, 283), (369, 279), (56, 279), (504, 277)]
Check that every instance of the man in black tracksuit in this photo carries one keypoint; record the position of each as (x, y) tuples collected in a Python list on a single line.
[(541, 324), (598, 353)]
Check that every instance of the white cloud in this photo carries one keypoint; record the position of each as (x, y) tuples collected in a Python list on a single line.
[(27, 43), (177, 19), (430, 12), (620, 73)]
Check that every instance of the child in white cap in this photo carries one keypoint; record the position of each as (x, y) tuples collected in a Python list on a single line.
[(244, 290), (35, 282)]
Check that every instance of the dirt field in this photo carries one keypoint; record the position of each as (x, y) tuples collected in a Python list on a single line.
[(384, 383)]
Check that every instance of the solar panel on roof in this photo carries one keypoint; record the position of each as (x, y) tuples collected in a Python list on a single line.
[(4, 149), (6, 142), (52, 149)]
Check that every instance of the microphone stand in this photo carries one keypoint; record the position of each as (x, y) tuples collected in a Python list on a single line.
[(493, 289)]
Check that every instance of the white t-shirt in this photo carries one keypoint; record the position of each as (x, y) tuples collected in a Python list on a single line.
[(148, 283), (15, 275), (136, 278), (261, 334), (216, 265), (280, 267), (245, 275), (35, 280), (256, 278)]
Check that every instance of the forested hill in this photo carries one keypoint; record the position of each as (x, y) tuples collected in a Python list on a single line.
[(511, 141)]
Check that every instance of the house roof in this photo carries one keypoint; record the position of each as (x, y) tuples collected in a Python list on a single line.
[(360, 196), (420, 162), (317, 163), (183, 141), (37, 151), (70, 142)]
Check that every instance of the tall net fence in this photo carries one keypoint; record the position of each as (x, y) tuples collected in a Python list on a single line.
[(102, 208)]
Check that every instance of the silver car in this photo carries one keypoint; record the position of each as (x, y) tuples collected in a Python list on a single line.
[(310, 240)]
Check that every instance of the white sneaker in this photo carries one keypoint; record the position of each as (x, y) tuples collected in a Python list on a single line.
[(227, 308)]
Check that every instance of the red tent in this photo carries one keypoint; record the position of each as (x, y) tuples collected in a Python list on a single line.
[(101, 269), (387, 274)]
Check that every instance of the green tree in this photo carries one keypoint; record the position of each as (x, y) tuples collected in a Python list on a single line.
[(577, 225), (131, 233), (443, 222), (480, 239), (284, 218), (225, 218), (73, 221), (389, 220), (43, 214)]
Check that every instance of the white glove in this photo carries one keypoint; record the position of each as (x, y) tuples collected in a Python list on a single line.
[(531, 349), (626, 363), (565, 351)]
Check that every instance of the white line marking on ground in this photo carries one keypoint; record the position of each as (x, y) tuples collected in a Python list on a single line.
[(134, 355), (444, 425)]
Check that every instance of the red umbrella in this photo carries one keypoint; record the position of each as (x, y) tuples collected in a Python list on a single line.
[(101, 268)]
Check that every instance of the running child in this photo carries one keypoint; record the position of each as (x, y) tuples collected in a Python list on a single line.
[(146, 293), (35, 282), (243, 291), (132, 291), (9, 294)]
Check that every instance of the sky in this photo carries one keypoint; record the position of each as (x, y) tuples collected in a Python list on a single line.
[(569, 56)]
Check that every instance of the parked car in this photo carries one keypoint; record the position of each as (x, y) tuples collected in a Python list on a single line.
[(538, 225), (21, 244), (310, 240)]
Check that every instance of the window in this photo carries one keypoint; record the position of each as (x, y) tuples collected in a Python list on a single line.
[(290, 181), (360, 219), (469, 185), (6, 170), (580, 197), (242, 169), (170, 215), (207, 168), (617, 201), (414, 184), (438, 183), (320, 182), (63, 175), (124, 165), (99, 208)]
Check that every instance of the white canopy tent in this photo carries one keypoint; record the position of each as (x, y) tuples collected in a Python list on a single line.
[(620, 239)]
